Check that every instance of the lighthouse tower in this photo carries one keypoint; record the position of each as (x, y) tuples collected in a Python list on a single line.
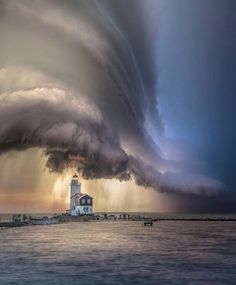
[(80, 204), (74, 191), (75, 186)]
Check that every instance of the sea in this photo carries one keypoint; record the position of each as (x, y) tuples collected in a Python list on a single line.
[(120, 252)]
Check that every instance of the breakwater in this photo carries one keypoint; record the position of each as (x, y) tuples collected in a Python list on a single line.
[(28, 220)]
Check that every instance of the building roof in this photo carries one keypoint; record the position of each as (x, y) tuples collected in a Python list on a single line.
[(84, 195), (75, 176), (81, 195)]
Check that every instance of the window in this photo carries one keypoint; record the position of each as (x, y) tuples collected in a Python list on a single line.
[(83, 201), (86, 209), (89, 201)]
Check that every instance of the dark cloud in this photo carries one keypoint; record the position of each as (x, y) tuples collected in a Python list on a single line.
[(78, 80), (73, 133)]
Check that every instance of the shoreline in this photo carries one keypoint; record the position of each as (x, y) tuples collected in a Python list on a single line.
[(64, 218)]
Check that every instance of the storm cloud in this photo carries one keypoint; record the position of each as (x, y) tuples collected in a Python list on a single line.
[(78, 80)]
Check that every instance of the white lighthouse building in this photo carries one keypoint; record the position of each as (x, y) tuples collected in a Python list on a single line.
[(80, 204)]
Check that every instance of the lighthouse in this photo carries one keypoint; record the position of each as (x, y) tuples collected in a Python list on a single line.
[(80, 204), (75, 186)]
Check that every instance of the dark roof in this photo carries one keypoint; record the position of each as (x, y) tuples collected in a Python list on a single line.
[(81, 195), (85, 195), (75, 176)]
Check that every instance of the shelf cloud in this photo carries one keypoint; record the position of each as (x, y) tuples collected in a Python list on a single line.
[(78, 80), (37, 111)]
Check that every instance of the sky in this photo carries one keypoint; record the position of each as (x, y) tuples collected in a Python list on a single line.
[(140, 105), (197, 51)]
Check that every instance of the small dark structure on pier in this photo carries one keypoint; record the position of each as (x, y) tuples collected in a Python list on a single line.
[(124, 216), (148, 223)]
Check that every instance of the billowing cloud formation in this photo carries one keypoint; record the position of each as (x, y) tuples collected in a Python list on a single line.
[(79, 81), (37, 111)]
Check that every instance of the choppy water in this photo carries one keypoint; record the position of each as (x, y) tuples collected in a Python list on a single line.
[(116, 252)]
